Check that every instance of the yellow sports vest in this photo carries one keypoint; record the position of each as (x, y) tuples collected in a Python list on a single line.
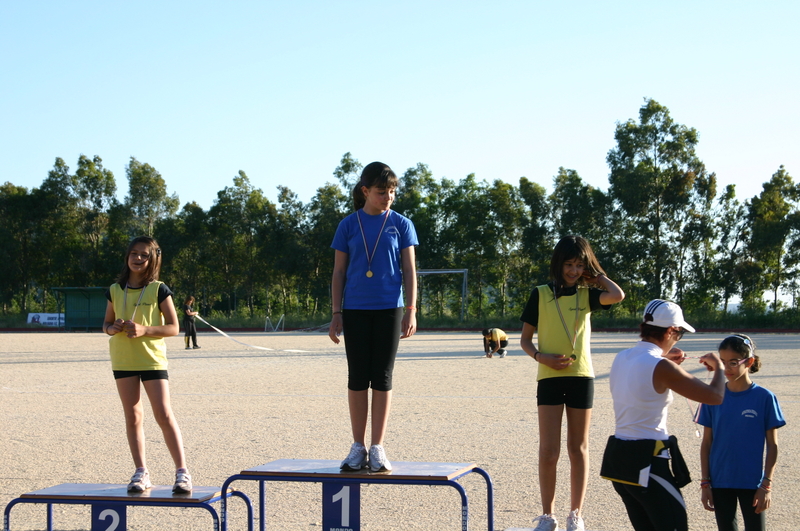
[(553, 337), (140, 353)]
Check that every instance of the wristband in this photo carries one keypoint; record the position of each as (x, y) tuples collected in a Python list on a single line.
[(411, 308), (340, 311), (536, 354)]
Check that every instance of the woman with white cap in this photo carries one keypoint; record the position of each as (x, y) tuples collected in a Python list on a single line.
[(637, 457)]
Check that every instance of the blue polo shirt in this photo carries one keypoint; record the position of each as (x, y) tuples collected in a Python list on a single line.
[(384, 289)]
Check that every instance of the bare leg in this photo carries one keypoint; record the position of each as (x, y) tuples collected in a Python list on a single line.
[(549, 450), (130, 395), (578, 449), (359, 411), (381, 404), (158, 393)]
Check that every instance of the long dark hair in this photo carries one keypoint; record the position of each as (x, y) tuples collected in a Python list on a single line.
[(374, 174), (153, 265), (570, 248)]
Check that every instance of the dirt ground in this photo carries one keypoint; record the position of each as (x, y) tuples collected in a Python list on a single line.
[(240, 407)]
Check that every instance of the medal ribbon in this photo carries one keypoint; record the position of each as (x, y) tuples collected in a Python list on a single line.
[(364, 238), (574, 338), (125, 301)]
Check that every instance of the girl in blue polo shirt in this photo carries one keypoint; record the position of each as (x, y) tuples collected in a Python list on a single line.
[(373, 267), (732, 452)]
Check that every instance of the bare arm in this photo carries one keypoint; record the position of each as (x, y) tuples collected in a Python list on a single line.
[(554, 361), (763, 498), (340, 261), (111, 325), (705, 452), (409, 324), (668, 375)]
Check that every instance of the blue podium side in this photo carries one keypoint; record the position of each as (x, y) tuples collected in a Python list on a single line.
[(110, 502), (341, 490)]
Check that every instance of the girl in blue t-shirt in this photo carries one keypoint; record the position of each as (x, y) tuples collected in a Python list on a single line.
[(732, 452), (373, 267)]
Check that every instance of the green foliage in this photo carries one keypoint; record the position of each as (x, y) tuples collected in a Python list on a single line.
[(659, 231)]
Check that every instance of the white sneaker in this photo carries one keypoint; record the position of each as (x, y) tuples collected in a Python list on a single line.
[(574, 522), (356, 459), (547, 522), (377, 459), (183, 482), (140, 481)]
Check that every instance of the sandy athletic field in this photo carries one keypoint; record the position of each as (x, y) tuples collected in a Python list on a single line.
[(239, 407)]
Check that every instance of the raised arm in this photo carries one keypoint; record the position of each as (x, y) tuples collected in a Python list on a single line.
[(668, 375)]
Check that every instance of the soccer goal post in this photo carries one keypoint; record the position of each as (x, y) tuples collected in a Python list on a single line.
[(421, 272)]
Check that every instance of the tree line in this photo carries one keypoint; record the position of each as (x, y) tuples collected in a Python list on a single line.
[(662, 230)]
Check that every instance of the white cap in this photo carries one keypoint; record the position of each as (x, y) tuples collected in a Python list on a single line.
[(665, 314)]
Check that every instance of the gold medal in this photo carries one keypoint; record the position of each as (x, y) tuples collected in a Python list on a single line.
[(378, 239)]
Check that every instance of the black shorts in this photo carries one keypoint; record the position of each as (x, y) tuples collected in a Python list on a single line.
[(573, 391), (143, 375)]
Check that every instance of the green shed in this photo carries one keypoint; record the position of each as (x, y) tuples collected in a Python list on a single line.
[(84, 308)]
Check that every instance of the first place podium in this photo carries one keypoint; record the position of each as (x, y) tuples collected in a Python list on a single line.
[(341, 501), (110, 502)]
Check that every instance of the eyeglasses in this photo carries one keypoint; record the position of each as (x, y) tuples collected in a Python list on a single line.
[(680, 333), (735, 363), (142, 256)]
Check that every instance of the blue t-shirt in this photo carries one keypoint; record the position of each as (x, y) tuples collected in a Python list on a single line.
[(384, 289), (740, 427)]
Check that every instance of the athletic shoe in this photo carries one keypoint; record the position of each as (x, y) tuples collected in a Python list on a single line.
[(188, 348), (502, 352), (183, 482), (140, 481), (547, 522), (377, 459), (196, 346), (356, 459), (574, 522)]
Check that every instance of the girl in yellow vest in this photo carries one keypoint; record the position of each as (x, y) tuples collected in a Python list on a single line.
[(139, 315), (560, 312)]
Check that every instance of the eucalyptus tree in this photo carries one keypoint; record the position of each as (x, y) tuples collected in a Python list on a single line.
[(188, 259), (537, 231), (147, 197), (285, 251), (95, 188), (772, 216), (348, 172), (418, 198), (466, 236), (732, 231), (235, 221), (503, 234), (656, 176), (326, 209), (19, 251)]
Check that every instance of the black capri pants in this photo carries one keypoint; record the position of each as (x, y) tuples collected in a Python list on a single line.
[(371, 338)]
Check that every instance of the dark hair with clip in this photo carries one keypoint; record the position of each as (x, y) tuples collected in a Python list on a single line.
[(743, 346), (374, 174), (153, 265)]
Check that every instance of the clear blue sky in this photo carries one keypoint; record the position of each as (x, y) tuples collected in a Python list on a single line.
[(282, 89)]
